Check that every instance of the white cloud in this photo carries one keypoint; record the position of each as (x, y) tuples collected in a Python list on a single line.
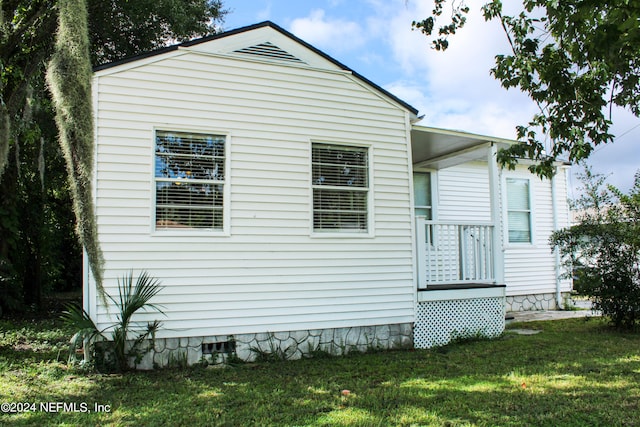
[(453, 89), (410, 93), (324, 32), (391, 25), (264, 14), (489, 118), (492, 116), (620, 159)]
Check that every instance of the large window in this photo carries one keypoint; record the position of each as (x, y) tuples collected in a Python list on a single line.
[(518, 210), (340, 182), (190, 179)]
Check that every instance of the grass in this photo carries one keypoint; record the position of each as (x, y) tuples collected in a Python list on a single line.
[(575, 372)]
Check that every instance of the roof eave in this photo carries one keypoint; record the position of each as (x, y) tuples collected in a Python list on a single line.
[(276, 27)]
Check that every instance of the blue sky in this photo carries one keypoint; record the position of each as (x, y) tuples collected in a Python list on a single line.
[(452, 89)]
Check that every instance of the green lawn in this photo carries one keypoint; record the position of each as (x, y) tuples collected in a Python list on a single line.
[(576, 372)]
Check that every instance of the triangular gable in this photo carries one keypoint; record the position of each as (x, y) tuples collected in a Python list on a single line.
[(267, 42), (263, 41)]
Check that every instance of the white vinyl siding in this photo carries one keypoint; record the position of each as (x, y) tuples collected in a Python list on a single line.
[(463, 193), (340, 182), (463, 196), (189, 180), (518, 210), (529, 267), (267, 273)]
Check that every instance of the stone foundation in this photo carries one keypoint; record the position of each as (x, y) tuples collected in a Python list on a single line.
[(534, 302), (214, 350)]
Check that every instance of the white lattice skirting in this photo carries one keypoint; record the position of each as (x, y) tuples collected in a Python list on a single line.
[(440, 322)]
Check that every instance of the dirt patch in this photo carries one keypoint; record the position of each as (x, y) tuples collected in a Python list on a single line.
[(524, 331)]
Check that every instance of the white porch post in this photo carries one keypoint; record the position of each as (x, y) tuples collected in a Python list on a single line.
[(494, 190), (421, 247)]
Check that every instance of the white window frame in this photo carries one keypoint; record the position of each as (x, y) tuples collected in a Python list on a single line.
[(434, 192), (506, 210), (226, 183), (347, 232)]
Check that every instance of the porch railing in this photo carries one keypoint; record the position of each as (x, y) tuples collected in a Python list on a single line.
[(454, 253)]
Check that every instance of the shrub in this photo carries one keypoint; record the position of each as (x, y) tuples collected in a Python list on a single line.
[(114, 354), (603, 249)]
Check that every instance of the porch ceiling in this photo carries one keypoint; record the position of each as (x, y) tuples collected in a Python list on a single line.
[(441, 148)]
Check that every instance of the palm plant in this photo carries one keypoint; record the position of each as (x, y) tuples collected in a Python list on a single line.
[(116, 353)]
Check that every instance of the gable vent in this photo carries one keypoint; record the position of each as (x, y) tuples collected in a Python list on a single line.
[(270, 51)]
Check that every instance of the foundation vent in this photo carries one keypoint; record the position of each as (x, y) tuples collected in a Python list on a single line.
[(219, 347)]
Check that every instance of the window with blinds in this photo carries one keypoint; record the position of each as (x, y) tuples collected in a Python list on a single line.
[(190, 179), (518, 210), (340, 182)]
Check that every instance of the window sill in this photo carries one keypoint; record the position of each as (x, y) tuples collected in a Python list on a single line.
[(341, 235), (190, 233), (520, 246)]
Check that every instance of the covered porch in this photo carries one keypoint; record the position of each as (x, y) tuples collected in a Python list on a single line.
[(459, 263)]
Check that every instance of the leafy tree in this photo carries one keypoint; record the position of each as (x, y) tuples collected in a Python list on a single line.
[(25, 44), (574, 58), (38, 250), (118, 28), (603, 248)]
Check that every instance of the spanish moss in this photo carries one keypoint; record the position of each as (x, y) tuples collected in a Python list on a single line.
[(69, 80)]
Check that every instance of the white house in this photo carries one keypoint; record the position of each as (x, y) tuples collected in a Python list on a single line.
[(283, 199)]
